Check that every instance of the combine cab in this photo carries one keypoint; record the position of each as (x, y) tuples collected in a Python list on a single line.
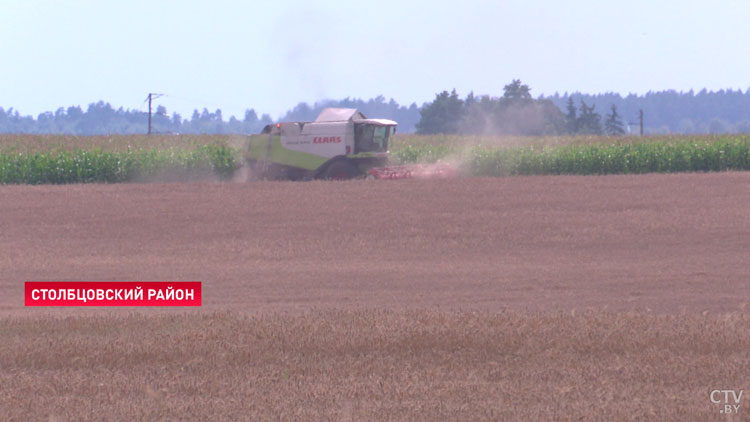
[(340, 144)]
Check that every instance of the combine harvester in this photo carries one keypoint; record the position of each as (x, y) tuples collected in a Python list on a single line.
[(340, 144)]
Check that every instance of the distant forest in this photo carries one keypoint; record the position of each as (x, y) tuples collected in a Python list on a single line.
[(724, 111), (102, 118)]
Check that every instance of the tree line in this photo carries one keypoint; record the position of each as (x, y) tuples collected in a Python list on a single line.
[(102, 118), (516, 112), (691, 112)]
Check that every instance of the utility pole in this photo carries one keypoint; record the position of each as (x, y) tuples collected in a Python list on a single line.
[(640, 117), (152, 96), (640, 121)]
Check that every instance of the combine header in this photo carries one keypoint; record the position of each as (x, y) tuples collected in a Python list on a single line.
[(340, 144), (417, 171)]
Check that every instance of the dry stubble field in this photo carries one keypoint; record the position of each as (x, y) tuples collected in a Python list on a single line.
[(599, 298)]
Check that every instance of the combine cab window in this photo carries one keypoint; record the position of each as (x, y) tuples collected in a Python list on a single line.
[(371, 138)]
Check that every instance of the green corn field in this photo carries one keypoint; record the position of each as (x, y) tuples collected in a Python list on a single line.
[(47, 159), (102, 166), (582, 155)]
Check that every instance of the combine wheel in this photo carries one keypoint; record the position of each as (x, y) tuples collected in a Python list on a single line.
[(340, 170)]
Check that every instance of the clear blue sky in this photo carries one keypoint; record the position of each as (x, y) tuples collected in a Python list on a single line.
[(269, 56)]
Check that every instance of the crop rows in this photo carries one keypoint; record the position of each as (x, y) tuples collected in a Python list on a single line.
[(31, 159), (28, 143), (370, 365), (646, 156), (97, 165)]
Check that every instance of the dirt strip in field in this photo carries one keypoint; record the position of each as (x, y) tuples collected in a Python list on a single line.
[(663, 243)]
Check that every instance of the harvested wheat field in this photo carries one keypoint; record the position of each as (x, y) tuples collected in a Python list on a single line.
[(535, 298)]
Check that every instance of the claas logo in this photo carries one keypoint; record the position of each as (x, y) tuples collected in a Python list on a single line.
[(326, 139)]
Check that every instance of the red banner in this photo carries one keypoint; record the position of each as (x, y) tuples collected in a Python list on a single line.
[(113, 293)]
